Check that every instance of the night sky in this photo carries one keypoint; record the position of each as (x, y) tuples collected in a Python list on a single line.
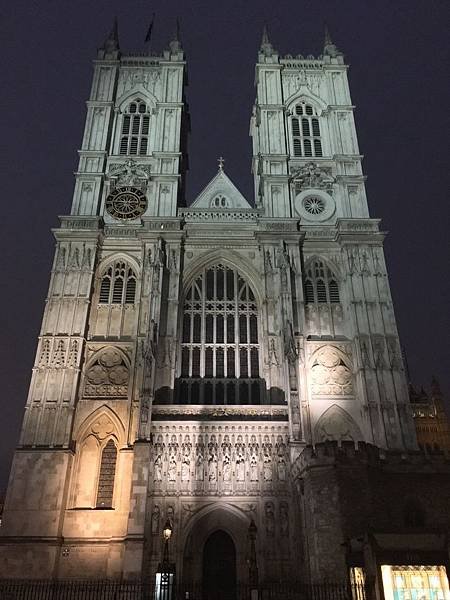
[(398, 52)]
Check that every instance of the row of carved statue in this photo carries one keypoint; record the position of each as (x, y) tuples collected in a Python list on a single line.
[(228, 461)]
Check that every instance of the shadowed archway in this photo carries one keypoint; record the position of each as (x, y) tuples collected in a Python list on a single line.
[(219, 567)]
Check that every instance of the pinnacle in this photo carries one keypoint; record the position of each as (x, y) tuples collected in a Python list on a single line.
[(329, 48)]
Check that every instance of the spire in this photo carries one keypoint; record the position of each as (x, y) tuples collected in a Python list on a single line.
[(112, 41), (175, 44), (266, 47), (329, 48)]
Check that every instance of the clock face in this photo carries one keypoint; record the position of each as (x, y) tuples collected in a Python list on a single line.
[(126, 203)]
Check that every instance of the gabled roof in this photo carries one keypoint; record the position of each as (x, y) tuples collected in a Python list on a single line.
[(220, 193)]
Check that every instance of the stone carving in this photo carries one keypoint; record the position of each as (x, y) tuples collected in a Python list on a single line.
[(102, 427), (365, 356), (155, 520), (284, 519), (158, 461), (273, 358), (108, 376), (270, 519), (44, 359), (337, 424), (212, 460), (395, 359), (129, 173), (329, 373), (290, 349), (199, 460), (186, 459), (311, 176), (281, 459), (378, 351), (74, 261), (60, 354), (226, 459), (61, 263), (73, 354), (267, 459), (268, 261), (240, 459), (172, 464), (254, 459)]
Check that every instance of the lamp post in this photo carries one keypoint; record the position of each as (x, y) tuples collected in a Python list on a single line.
[(165, 576)]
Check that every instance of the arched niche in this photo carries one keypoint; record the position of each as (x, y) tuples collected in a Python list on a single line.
[(336, 424)]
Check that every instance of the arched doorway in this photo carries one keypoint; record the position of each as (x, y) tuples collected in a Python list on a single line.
[(219, 567)]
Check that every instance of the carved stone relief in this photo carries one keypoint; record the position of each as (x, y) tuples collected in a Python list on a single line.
[(108, 375), (329, 374)]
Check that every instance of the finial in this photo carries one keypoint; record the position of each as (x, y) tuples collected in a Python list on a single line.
[(111, 44), (221, 162), (329, 48), (435, 387), (266, 46), (175, 44)]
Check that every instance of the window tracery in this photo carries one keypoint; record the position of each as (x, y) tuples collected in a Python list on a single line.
[(105, 486), (219, 347), (118, 285), (135, 129), (305, 126), (321, 285)]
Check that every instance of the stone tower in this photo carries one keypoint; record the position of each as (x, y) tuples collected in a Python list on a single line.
[(189, 355)]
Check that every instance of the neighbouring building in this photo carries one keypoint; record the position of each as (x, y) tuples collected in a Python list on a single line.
[(223, 361)]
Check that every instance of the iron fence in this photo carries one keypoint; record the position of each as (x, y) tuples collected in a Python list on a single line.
[(137, 590)]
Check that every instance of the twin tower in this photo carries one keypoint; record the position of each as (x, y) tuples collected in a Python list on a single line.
[(195, 359)]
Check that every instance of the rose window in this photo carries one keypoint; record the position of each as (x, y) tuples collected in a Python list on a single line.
[(314, 205)]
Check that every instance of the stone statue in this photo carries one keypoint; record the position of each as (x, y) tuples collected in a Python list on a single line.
[(155, 520)]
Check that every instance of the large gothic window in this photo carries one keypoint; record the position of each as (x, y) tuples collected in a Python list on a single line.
[(320, 284), (135, 128), (118, 285), (306, 139), (219, 341)]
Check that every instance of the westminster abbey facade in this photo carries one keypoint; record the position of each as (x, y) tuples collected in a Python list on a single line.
[(223, 361)]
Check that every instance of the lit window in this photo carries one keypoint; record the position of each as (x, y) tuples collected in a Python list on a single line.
[(320, 284), (135, 129), (219, 345), (305, 127), (118, 285), (105, 488)]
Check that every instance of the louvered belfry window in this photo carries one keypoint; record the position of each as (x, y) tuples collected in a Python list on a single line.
[(219, 346), (320, 284), (118, 285), (306, 138), (105, 489), (135, 129)]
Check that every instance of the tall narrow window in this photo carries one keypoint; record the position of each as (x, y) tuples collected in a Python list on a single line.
[(306, 139), (219, 348), (118, 285), (320, 284), (135, 129), (105, 489)]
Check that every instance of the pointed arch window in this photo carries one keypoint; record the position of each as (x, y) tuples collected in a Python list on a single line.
[(135, 129), (105, 488), (305, 127), (118, 285), (219, 345), (320, 284)]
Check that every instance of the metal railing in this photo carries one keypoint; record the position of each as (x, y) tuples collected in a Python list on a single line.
[(136, 590)]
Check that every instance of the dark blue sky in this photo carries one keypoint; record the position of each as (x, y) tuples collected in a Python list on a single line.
[(399, 55)]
